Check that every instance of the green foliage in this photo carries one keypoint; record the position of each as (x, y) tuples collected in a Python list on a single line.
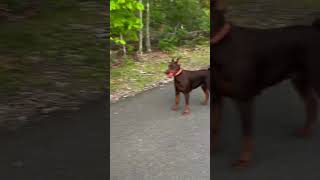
[(168, 43), (118, 40), (205, 20), (172, 39), (176, 18), (181, 33), (188, 13), (170, 21), (130, 48), (124, 20)]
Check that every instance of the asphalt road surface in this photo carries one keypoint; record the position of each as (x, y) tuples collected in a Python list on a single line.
[(149, 141), (63, 146), (279, 155)]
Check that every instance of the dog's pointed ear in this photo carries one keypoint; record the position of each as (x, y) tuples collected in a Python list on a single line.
[(178, 61)]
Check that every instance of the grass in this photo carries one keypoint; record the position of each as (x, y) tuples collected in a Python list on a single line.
[(49, 36), (133, 76), (308, 4), (136, 75)]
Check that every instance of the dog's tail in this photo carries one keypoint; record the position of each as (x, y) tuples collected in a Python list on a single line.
[(316, 23)]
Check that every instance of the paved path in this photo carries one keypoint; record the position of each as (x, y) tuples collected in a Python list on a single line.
[(149, 141), (63, 146), (279, 155)]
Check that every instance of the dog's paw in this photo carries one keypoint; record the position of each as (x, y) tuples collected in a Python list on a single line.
[(302, 133), (185, 113), (240, 164), (174, 108)]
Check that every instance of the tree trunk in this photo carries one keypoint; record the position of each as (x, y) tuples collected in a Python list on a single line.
[(148, 41), (124, 49), (140, 51)]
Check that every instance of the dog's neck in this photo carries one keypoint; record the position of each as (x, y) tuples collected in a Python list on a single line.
[(221, 33), (178, 72), (220, 27)]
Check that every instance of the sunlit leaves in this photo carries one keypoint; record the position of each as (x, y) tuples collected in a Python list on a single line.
[(118, 40), (124, 19)]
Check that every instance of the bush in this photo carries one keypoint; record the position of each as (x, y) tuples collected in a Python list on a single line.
[(196, 41), (181, 34), (179, 38), (168, 43)]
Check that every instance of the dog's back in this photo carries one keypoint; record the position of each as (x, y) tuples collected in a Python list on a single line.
[(199, 77), (253, 59)]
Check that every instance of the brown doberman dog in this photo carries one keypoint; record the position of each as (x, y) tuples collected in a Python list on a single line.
[(246, 61), (185, 81)]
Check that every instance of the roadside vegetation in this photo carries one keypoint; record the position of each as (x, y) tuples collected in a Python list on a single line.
[(52, 54), (146, 34)]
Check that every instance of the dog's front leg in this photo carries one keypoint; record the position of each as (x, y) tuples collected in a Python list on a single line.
[(246, 115), (186, 110), (177, 101), (215, 123)]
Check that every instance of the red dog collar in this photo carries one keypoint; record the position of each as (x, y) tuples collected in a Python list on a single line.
[(178, 73), (175, 74)]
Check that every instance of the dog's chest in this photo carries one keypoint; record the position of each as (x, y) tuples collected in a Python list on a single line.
[(180, 85)]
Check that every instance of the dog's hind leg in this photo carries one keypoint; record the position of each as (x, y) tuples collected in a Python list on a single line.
[(246, 116), (206, 93), (307, 93)]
